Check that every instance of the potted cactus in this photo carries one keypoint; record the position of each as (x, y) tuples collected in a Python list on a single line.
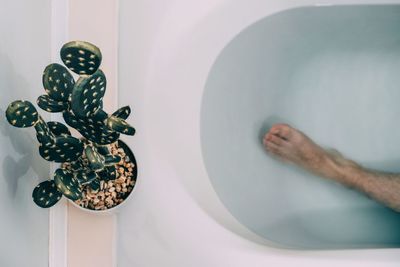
[(97, 171)]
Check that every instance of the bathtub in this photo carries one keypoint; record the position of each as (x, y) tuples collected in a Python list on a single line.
[(203, 75)]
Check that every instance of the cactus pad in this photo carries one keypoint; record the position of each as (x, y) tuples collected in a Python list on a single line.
[(67, 184), (43, 133), (88, 94), (85, 177), (46, 194), (119, 125), (111, 160), (92, 128), (122, 113), (65, 149), (103, 150), (58, 129), (83, 58), (22, 114), (108, 173), (95, 185), (96, 160), (58, 82), (45, 102)]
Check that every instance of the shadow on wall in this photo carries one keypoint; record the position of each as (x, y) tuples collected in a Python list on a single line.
[(15, 163)]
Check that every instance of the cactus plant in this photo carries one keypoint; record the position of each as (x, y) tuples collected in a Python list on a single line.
[(87, 161)]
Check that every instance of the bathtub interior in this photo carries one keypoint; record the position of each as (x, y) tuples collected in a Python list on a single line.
[(332, 72)]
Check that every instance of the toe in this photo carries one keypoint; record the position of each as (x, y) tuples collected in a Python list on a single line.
[(272, 147), (281, 130), (277, 140)]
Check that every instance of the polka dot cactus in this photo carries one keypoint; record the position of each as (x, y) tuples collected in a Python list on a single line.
[(22, 114), (85, 176), (119, 125), (46, 195), (122, 113), (96, 160), (83, 58), (64, 149), (58, 129), (58, 82), (87, 161), (88, 94), (67, 184), (50, 105)]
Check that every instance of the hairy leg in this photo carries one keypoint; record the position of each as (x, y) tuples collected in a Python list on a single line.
[(291, 145)]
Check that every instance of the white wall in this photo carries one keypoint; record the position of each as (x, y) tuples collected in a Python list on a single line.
[(24, 53)]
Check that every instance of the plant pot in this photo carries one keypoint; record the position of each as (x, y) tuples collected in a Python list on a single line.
[(126, 196)]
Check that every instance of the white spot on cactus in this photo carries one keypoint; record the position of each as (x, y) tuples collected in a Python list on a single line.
[(80, 51), (69, 55), (67, 61)]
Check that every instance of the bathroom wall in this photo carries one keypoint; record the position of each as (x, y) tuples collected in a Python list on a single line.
[(24, 53)]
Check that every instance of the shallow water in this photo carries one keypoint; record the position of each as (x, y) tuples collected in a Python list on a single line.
[(333, 73)]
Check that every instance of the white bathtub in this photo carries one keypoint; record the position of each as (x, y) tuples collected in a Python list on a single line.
[(179, 216)]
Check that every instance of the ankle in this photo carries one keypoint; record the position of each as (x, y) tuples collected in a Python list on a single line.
[(349, 173)]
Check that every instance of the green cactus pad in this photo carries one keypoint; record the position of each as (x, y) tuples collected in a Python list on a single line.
[(96, 160), (58, 129), (111, 160), (108, 173), (58, 82), (83, 58), (45, 102), (92, 128), (85, 177), (46, 194), (21, 114), (122, 113), (95, 185), (77, 165), (67, 184), (120, 125), (103, 150), (65, 149), (88, 94), (43, 133)]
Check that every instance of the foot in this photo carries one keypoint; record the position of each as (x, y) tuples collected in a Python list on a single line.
[(291, 145)]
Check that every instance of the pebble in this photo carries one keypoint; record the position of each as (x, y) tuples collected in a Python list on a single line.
[(113, 192)]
